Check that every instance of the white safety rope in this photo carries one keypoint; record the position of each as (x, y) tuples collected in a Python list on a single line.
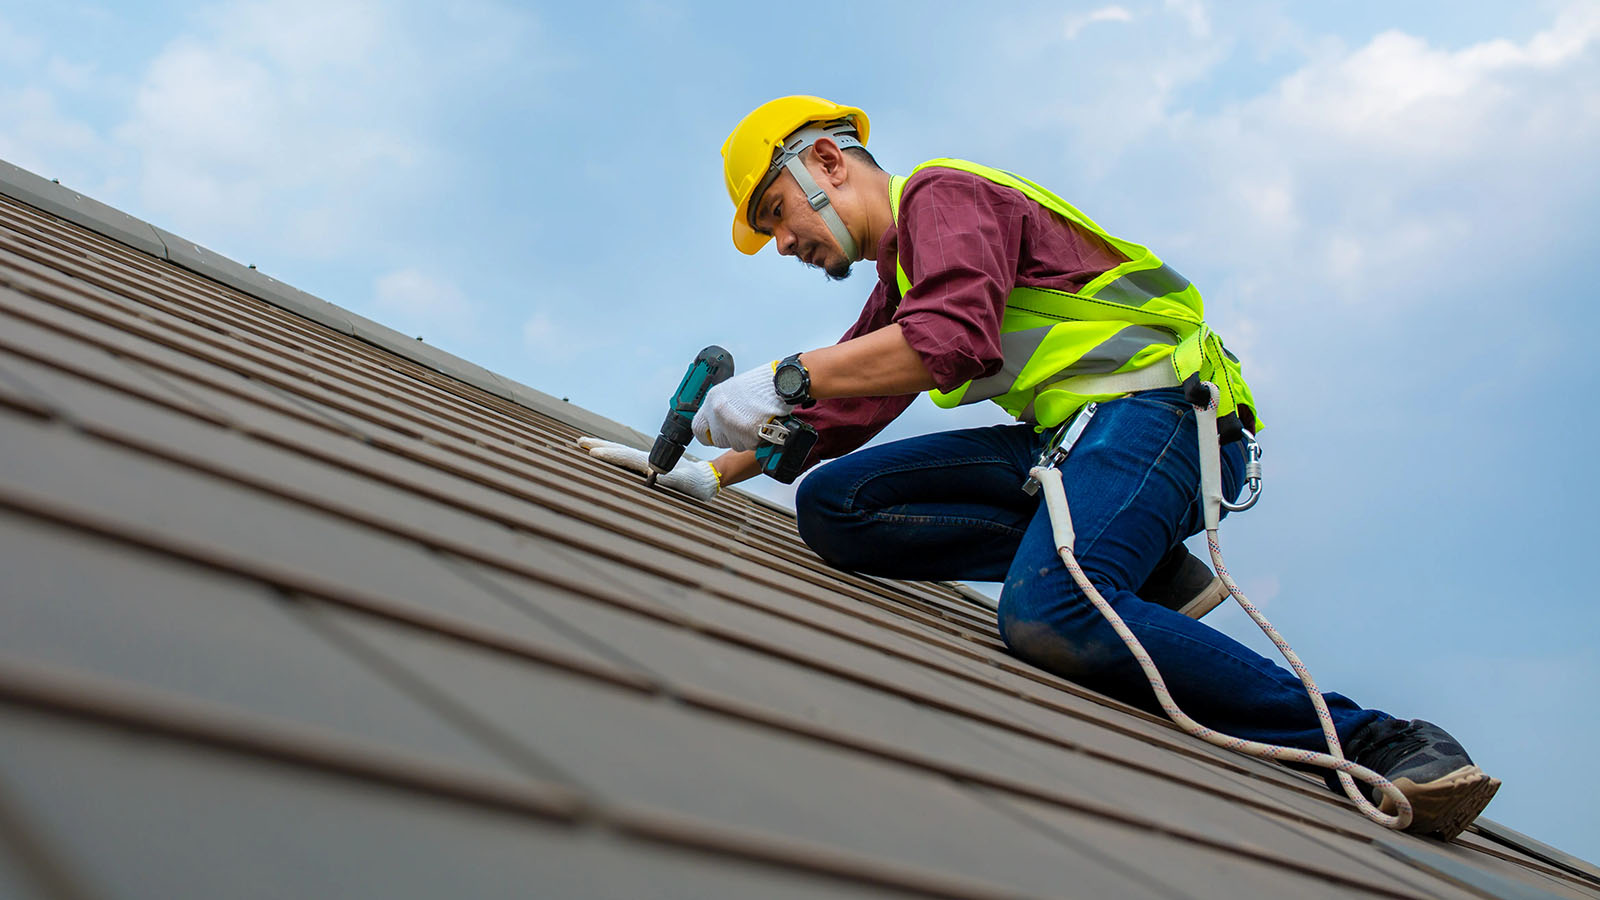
[(1055, 498)]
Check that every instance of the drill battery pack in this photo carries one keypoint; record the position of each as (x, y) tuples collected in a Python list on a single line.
[(785, 444)]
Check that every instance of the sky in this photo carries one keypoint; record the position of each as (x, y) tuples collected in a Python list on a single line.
[(1389, 207)]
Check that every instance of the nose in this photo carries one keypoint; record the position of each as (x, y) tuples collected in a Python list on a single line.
[(785, 240)]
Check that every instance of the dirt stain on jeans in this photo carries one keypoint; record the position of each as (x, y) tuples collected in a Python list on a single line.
[(1038, 644)]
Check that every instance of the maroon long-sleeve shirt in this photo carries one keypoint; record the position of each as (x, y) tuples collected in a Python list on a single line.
[(964, 242)]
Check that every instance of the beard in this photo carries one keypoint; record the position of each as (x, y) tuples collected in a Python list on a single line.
[(836, 269)]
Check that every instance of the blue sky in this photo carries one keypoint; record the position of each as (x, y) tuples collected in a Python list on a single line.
[(1389, 207)]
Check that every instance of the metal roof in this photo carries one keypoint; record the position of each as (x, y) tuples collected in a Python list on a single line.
[(295, 606)]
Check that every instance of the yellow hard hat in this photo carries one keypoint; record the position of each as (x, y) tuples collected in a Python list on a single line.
[(759, 147)]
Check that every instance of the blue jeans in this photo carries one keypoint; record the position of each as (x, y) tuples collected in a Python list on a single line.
[(951, 506)]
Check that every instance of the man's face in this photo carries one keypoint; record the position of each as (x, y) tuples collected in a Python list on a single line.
[(797, 230)]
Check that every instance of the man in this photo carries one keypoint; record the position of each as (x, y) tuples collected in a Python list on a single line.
[(990, 287)]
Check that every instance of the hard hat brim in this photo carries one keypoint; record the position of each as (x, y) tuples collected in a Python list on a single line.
[(747, 239)]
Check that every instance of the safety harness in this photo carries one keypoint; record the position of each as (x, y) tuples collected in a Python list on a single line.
[(1203, 395)]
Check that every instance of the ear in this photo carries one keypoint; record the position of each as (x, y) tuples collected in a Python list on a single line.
[(832, 160)]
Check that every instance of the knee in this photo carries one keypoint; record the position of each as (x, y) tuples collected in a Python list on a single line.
[(1062, 641), (822, 518)]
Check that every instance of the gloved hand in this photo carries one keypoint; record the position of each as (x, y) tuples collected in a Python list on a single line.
[(735, 409), (697, 479)]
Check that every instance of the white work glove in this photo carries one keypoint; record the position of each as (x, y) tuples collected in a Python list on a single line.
[(697, 479), (734, 410)]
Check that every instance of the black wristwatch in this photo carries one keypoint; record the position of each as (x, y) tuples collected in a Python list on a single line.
[(792, 382)]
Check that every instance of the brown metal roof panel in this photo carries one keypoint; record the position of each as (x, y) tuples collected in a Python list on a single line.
[(262, 421), (127, 419), (1186, 795), (616, 519), (774, 637), (22, 398), (1184, 869), (1147, 745), (880, 718), (22, 339), (273, 539), (766, 619), (634, 751), (24, 317), (1501, 839), (1364, 855), (144, 817), (411, 412), (409, 408), (737, 675), (1487, 877), (93, 605), (27, 871)]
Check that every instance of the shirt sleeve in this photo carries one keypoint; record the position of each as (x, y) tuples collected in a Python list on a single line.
[(960, 238), (845, 423)]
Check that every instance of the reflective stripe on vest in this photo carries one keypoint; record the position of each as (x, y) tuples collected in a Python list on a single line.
[(1139, 288), (1019, 347), (1138, 314)]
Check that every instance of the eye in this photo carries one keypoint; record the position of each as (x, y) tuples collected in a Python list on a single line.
[(777, 211)]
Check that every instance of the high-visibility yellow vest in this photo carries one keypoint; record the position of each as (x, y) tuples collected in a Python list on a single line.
[(1062, 349)]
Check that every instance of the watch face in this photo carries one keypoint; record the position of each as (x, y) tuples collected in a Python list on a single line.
[(789, 381)]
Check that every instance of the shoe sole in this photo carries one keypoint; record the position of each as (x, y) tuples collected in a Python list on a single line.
[(1445, 806), (1206, 600)]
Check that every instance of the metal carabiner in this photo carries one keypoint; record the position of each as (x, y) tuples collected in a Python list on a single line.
[(1252, 473), (1060, 444)]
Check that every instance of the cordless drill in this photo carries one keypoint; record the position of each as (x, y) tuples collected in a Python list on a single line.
[(785, 442), (711, 367)]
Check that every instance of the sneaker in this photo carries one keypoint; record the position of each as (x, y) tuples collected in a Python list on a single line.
[(1181, 582), (1447, 792)]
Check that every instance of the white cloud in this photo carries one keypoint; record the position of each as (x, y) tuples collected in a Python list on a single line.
[(1372, 175), (1075, 24), (270, 121), (412, 301), (294, 128), (1400, 94)]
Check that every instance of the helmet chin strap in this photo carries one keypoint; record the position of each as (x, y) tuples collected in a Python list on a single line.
[(843, 135), (822, 205)]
